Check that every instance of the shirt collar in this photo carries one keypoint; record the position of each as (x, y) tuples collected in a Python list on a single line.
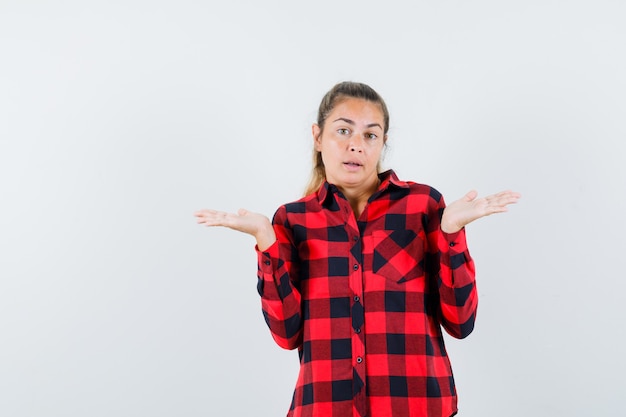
[(387, 179)]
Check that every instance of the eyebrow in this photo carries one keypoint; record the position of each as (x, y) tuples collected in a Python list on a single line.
[(351, 122)]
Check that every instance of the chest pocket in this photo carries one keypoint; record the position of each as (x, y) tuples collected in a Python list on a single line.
[(398, 255)]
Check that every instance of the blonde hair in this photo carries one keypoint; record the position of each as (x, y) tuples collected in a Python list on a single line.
[(337, 94)]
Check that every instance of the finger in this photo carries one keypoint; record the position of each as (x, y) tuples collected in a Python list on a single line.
[(507, 199), (503, 197), (219, 218), (498, 209), (508, 194), (214, 218), (204, 212), (217, 221), (470, 196)]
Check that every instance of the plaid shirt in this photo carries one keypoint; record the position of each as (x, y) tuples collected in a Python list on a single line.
[(363, 300)]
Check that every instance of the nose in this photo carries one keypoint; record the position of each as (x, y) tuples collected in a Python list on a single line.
[(356, 143)]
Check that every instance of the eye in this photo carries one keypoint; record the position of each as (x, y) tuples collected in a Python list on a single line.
[(371, 136), (343, 131)]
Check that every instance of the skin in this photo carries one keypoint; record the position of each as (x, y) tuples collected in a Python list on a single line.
[(351, 145)]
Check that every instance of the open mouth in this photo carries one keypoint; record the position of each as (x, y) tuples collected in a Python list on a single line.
[(352, 164)]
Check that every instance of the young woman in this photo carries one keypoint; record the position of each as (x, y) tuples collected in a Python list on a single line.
[(362, 273)]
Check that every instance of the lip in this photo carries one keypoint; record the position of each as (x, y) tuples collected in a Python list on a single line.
[(352, 165)]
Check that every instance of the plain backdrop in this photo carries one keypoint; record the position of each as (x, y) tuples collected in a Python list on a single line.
[(119, 119)]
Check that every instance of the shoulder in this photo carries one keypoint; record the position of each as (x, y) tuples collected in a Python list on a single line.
[(300, 207), (399, 188), (418, 190), (426, 190)]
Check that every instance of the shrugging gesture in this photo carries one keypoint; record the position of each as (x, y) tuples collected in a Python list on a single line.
[(361, 275)]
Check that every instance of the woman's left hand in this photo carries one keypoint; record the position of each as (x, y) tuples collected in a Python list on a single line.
[(462, 212)]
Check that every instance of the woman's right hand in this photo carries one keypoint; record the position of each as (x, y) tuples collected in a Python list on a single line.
[(254, 224)]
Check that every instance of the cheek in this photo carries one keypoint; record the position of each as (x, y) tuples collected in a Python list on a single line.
[(375, 151), (330, 147)]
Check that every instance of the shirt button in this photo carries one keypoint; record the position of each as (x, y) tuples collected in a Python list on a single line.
[(359, 359), (355, 238), (357, 331), (452, 244), (356, 298), (355, 267), (267, 262)]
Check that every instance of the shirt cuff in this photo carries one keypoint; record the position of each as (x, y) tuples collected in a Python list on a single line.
[(266, 258), (453, 242)]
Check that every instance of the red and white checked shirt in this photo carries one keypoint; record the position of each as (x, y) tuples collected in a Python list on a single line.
[(363, 300)]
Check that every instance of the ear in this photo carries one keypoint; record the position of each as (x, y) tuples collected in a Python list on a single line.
[(317, 137)]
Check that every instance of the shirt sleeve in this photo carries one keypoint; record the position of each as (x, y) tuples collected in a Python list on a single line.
[(458, 298), (277, 286)]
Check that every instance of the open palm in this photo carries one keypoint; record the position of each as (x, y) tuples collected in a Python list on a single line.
[(469, 208)]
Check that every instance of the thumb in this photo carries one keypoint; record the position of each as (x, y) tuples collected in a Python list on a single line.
[(471, 195)]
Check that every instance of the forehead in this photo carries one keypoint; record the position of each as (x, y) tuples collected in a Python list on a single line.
[(358, 110)]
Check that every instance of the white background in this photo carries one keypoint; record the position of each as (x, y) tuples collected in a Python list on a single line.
[(119, 119)]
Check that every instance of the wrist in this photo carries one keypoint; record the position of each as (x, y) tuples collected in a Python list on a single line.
[(450, 228), (265, 236)]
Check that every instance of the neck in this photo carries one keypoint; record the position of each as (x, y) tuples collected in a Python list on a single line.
[(357, 197)]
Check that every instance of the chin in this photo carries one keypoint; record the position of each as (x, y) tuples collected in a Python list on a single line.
[(352, 182)]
